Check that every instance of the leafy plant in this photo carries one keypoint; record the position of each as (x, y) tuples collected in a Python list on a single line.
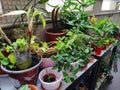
[(72, 13), (21, 45), (71, 57), (24, 87)]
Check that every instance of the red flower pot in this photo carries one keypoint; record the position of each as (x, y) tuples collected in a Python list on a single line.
[(52, 36), (116, 36), (20, 77), (98, 50), (2, 72)]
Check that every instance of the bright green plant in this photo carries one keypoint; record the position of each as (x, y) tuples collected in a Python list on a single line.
[(24, 87), (21, 45)]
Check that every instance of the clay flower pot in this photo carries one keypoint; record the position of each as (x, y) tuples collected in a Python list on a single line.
[(52, 36), (32, 87)]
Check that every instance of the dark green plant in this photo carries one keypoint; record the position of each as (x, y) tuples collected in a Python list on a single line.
[(72, 13), (72, 56)]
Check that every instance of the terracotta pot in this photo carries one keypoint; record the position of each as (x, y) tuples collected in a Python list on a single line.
[(116, 36), (24, 76), (98, 50), (84, 68), (91, 60), (52, 36), (32, 87)]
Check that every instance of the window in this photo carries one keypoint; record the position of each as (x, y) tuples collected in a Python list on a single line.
[(53, 3), (109, 5)]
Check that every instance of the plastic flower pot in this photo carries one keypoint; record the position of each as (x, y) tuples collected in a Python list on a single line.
[(98, 50), (50, 85), (20, 77)]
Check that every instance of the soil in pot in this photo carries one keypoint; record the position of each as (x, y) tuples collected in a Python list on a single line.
[(49, 78)]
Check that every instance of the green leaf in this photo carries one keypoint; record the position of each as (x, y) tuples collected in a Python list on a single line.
[(36, 13), (86, 50), (43, 20), (67, 79), (65, 74), (1, 55), (12, 58), (5, 61), (8, 48), (43, 1), (11, 66), (28, 14), (103, 21), (17, 7)]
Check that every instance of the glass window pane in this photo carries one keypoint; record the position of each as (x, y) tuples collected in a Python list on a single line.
[(109, 4)]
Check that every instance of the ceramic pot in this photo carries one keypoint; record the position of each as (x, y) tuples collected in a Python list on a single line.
[(20, 77), (52, 36), (51, 85)]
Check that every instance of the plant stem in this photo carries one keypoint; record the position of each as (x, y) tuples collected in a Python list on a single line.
[(5, 36)]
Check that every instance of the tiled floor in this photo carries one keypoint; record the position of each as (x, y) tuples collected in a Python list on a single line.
[(115, 83)]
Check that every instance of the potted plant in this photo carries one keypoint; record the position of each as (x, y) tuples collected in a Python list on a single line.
[(17, 52), (45, 51), (73, 56), (50, 79), (72, 14), (55, 31), (28, 87)]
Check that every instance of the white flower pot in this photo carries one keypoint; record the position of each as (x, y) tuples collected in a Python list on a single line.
[(52, 85)]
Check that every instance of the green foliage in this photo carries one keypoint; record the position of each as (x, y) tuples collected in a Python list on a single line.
[(24, 87), (72, 56), (72, 13), (43, 1)]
